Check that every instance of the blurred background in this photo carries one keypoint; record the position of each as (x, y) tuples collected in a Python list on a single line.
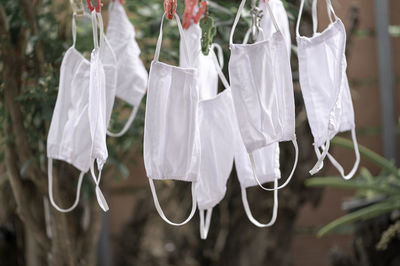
[(321, 221)]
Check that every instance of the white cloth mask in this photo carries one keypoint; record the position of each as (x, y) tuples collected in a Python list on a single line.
[(281, 18), (262, 89), (131, 74), (171, 138), (267, 160), (73, 136), (325, 88), (207, 76), (218, 130)]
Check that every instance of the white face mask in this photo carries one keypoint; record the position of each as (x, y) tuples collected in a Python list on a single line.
[(267, 160), (207, 76), (326, 93), (262, 90), (132, 75), (218, 129), (171, 138), (281, 18), (73, 135)]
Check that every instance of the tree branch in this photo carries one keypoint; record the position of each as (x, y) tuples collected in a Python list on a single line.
[(11, 92), (30, 16), (20, 192)]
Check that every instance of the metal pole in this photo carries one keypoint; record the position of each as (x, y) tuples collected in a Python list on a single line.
[(103, 248), (386, 80)]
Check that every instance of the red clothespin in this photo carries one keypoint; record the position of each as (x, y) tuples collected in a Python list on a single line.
[(122, 2), (200, 12), (170, 8), (188, 14), (91, 7)]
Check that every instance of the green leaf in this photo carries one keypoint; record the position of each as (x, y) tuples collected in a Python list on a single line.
[(348, 184), (362, 214)]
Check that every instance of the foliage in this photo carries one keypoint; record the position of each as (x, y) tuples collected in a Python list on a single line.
[(381, 192)]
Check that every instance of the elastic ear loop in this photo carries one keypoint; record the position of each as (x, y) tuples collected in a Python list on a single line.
[(356, 163), (204, 227), (78, 189), (73, 29), (274, 211), (253, 165), (135, 108), (321, 157), (315, 15), (159, 41), (160, 211), (99, 195)]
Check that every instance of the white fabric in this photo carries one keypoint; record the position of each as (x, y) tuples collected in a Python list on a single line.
[(131, 74), (76, 133), (281, 18), (325, 88), (262, 89), (207, 76), (218, 130), (171, 138)]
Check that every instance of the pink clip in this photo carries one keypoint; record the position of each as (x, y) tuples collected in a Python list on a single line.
[(200, 12), (98, 5), (170, 8), (188, 14)]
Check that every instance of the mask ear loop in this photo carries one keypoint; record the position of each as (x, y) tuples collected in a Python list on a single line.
[(253, 165), (73, 29), (78, 189), (159, 41), (321, 157), (356, 163), (205, 226), (274, 211), (160, 211), (220, 54), (315, 15), (99, 195), (135, 108)]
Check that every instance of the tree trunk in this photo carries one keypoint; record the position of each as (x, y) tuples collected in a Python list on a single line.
[(49, 237)]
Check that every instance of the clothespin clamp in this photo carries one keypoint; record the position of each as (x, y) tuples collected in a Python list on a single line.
[(99, 4), (200, 12), (77, 8), (188, 14), (170, 8), (256, 15)]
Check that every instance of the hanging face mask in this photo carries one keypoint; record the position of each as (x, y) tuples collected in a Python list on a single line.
[(132, 75), (281, 18), (207, 76), (262, 89), (73, 135), (171, 138), (326, 93), (267, 160), (218, 129)]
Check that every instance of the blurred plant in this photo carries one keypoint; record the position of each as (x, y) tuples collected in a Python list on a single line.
[(380, 194)]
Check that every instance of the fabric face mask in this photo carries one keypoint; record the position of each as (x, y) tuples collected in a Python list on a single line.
[(217, 137), (325, 88), (281, 18), (171, 138), (69, 137), (207, 76), (262, 90), (131, 74)]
